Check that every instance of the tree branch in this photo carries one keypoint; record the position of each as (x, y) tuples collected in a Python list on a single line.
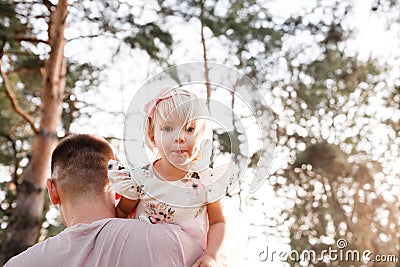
[(205, 54), (29, 39), (8, 138), (86, 36), (14, 101)]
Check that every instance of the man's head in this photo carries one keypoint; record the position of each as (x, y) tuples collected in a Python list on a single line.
[(79, 166)]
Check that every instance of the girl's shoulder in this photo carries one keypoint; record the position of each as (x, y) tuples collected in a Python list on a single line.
[(210, 175), (142, 170)]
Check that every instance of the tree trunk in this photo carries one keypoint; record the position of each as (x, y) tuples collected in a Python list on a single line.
[(26, 219)]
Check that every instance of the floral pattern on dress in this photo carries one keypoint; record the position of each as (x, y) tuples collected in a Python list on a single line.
[(119, 171), (194, 179), (140, 190), (159, 212), (146, 171)]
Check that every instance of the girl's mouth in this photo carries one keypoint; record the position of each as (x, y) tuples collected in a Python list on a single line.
[(180, 151)]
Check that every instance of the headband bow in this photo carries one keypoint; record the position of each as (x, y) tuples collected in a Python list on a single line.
[(150, 107)]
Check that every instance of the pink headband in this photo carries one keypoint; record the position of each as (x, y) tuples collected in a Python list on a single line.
[(150, 107)]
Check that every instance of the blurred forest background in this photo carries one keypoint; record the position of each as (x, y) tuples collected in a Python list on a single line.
[(336, 106)]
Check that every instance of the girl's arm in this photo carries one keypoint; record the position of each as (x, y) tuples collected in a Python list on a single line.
[(215, 237), (125, 207)]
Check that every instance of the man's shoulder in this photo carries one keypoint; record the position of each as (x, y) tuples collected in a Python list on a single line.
[(30, 257), (128, 238)]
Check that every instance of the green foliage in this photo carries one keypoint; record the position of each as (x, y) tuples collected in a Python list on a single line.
[(244, 22), (334, 76), (9, 24), (80, 78), (333, 181), (248, 27), (245, 28), (323, 156), (120, 20), (336, 199), (229, 142), (28, 68), (145, 39)]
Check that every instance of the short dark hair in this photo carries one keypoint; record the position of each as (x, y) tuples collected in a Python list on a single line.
[(79, 164)]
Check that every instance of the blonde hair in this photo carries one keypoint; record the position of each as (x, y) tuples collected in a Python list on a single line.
[(184, 106)]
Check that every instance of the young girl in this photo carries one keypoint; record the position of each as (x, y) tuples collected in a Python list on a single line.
[(178, 187)]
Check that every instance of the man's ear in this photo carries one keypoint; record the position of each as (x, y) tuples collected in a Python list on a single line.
[(53, 193)]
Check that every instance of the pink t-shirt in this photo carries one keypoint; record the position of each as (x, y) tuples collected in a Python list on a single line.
[(113, 242)]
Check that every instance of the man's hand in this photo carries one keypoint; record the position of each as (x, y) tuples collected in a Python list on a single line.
[(205, 261)]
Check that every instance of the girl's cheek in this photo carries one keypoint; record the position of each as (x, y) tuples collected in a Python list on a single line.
[(167, 137), (197, 139)]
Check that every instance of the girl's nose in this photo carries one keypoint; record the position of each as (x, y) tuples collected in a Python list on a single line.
[(179, 139)]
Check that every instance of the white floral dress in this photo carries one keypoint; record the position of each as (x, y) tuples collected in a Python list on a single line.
[(181, 202)]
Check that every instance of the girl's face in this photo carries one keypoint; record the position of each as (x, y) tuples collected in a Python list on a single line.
[(176, 141)]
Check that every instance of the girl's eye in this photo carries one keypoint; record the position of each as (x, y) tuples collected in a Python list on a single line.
[(190, 129), (167, 128)]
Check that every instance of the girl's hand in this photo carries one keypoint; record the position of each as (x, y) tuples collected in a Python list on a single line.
[(205, 261)]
